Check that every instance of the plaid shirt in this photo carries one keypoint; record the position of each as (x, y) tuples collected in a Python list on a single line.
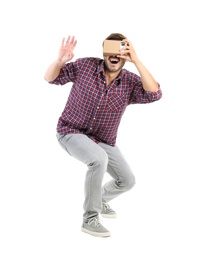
[(93, 108)]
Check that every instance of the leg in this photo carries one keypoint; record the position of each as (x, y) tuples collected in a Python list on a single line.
[(85, 150), (118, 168)]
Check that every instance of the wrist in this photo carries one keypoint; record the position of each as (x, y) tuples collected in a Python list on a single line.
[(59, 63), (137, 62)]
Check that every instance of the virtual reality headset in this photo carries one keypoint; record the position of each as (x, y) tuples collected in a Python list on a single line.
[(112, 48)]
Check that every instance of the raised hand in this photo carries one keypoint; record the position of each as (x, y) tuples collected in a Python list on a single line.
[(128, 53), (66, 50)]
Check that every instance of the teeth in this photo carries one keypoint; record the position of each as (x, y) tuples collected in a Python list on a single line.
[(113, 59)]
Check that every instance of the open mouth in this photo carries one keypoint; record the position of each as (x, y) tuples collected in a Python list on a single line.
[(114, 59)]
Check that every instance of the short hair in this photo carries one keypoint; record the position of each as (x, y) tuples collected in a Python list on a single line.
[(116, 37)]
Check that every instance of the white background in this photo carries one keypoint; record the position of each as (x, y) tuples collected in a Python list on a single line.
[(167, 143)]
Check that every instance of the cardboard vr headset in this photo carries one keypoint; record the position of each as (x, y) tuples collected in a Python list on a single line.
[(111, 47)]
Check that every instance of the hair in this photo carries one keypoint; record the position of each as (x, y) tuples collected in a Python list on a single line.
[(116, 37)]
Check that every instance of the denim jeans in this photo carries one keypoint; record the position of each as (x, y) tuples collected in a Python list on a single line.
[(99, 158)]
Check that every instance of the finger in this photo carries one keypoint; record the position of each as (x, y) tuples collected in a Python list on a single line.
[(129, 44), (122, 55), (73, 45), (67, 41), (126, 41), (63, 41), (72, 40)]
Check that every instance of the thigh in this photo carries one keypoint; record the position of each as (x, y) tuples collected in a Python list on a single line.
[(82, 148), (118, 167)]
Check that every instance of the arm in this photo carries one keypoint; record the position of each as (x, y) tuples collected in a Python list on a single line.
[(129, 54), (65, 54)]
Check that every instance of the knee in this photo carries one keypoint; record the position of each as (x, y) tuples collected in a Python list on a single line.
[(100, 160), (128, 183)]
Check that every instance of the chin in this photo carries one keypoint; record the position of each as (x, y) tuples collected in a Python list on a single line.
[(114, 69)]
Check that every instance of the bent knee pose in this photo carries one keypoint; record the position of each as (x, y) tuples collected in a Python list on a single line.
[(87, 128)]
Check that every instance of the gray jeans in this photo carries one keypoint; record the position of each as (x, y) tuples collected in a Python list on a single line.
[(99, 158)]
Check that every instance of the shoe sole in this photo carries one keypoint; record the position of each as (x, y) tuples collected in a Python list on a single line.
[(96, 234), (108, 216)]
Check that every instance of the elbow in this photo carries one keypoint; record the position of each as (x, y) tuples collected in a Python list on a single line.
[(46, 78), (158, 93)]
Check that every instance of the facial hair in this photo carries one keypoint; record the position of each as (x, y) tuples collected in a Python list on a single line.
[(115, 69)]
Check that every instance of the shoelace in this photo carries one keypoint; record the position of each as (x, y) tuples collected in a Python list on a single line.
[(106, 206), (95, 221)]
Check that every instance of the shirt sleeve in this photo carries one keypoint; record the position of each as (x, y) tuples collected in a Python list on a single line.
[(68, 73), (140, 95), (154, 96)]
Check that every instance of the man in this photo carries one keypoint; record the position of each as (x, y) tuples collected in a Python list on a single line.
[(87, 127)]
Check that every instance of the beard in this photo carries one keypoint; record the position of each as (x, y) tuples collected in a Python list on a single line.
[(117, 68)]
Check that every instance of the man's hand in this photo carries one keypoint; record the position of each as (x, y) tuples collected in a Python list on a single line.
[(66, 50), (65, 54), (128, 53)]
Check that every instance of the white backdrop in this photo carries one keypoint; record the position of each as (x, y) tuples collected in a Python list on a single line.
[(167, 143)]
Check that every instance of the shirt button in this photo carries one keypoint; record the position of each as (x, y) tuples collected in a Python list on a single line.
[(90, 128), (94, 118), (97, 107)]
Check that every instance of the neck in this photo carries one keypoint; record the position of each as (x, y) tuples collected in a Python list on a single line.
[(110, 76)]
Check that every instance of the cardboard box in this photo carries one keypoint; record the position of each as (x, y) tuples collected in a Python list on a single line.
[(111, 47)]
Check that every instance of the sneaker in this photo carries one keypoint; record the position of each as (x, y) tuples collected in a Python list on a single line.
[(95, 228), (107, 211)]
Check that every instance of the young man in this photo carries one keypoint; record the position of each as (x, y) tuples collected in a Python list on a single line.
[(87, 127)]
